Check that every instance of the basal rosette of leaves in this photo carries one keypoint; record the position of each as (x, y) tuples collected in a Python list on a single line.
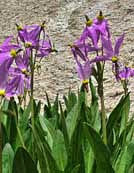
[(77, 137)]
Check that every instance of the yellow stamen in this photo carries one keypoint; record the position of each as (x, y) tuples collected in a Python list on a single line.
[(13, 53), (100, 16), (28, 44), (89, 22), (85, 81), (23, 70), (43, 25), (2, 92), (19, 28), (71, 45), (114, 59)]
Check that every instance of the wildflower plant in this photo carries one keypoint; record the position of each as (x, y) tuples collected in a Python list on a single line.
[(78, 137), (18, 63)]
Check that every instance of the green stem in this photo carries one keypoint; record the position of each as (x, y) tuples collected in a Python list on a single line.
[(32, 67), (100, 68), (126, 116), (103, 114)]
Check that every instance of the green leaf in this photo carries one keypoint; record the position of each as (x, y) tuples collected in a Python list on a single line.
[(73, 115), (4, 135), (12, 130), (114, 117), (130, 130), (48, 101), (23, 120), (23, 162), (59, 150), (7, 159), (37, 107), (100, 150), (95, 119), (70, 101), (93, 92), (47, 163), (64, 127), (88, 156), (75, 169), (48, 130), (125, 113), (55, 107), (125, 160)]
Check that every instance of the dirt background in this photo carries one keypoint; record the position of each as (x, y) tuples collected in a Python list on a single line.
[(65, 21)]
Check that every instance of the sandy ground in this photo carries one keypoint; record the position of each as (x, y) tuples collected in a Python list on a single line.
[(65, 21)]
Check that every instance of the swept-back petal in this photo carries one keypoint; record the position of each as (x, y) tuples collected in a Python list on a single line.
[(118, 44), (107, 45)]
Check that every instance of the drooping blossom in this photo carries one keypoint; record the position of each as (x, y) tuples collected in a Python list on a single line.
[(45, 47), (101, 26), (4, 77), (19, 83), (21, 75), (30, 35), (112, 53), (9, 50), (89, 32), (84, 72), (78, 53), (7, 46), (126, 73)]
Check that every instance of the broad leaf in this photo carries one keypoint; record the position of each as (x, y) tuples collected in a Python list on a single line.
[(101, 152), (59, 150), (125, 159), (7, 159), (23, 162), (73, 116)]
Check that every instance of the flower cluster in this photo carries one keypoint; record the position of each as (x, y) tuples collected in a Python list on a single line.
[(17, 60), (96, 38)]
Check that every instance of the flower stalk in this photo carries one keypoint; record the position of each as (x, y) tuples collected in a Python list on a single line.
[(100, 68)]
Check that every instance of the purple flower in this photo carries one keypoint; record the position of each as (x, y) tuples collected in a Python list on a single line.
[(4, 87), (22, 63), (84, 47), (116, 69), (101, 26), (81, 49), (45, 47), (111, 53), (20, 76), (78, 53), (8, 50), (84, 70), (90, 32), (30, 35), (122, 72), (99, 59), (12, 80), (7, 46), (18, 84), (126, 73)]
